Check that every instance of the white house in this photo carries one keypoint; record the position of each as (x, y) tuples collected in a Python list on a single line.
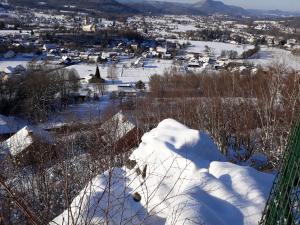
[(166, 56), (106, 55), (194, 63), (48, 47), (162, 50), (94, 58), (208, 60), (291, 41), (89, 28)]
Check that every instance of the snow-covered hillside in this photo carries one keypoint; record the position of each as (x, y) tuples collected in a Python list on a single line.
[(180, 178)]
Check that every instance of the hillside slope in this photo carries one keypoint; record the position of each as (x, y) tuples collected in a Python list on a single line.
[(103, 5), (204, 7), (180, 178), (212, 7)]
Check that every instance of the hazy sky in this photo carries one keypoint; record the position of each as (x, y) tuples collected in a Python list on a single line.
[(291, 5)]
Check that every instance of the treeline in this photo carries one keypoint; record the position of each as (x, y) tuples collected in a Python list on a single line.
[(103, 37), (39, 92), (19, 49), (251, 52), (215, 34)]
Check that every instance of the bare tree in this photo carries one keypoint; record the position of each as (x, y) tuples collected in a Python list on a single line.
[(112, 72), (100, 88)]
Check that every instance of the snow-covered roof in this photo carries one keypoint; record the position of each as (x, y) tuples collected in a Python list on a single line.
[(187, 181), (24, 138), (12, 70), (118, 126), (9, 70), (9, 125)]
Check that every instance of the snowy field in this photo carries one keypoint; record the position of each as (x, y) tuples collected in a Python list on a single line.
[(48, 16), (217, 47), (126, 73), (13, 62), (183, 27), (84, 113), (268, 56), (13, 32), (89, 111), (185, 180)]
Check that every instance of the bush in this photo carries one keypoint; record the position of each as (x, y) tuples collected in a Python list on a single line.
[(140, 85)]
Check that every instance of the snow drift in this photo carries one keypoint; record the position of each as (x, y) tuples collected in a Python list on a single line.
[(179, 177)]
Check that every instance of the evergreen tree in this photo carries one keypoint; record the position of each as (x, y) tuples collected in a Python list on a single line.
[(140, 85), (97, 74), (97, 77)]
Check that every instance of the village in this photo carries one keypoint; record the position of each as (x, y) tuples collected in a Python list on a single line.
[(91, 71), (125, 61)]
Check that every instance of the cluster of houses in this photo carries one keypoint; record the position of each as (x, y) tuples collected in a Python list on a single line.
[(156, 28), (235, 31), (32, 43)]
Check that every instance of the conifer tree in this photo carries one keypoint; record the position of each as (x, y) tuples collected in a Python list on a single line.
[(97, 74)]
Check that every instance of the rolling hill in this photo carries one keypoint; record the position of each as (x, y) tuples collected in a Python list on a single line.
[(102, 5), (204, 7)]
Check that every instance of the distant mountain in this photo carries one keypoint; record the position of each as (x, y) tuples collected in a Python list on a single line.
[(214, 7), (159, 7), (204, 7), (272, 13), (152, 7), (102, 5)]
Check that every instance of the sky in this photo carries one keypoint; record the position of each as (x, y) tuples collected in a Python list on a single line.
[(286, 5)]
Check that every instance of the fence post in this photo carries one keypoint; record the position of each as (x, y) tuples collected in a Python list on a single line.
[(283, 206)]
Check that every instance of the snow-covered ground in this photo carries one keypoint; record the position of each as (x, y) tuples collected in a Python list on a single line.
[(13, 62), (22, 59), (184, 180), (268, 56), (183, 27), (48, 16), (84, 113), (13, 32), (216, 47), (125, 73)]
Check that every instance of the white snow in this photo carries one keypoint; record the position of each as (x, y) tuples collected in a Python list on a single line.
[(4, 64), (268, 56), (216, 47), (20, 60), (183, 27), (119, 125), (125, 73), (13, 32), (84, 113), (23, 139), (187, 181)]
